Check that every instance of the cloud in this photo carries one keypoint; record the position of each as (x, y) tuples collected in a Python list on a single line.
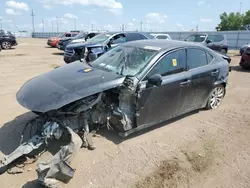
[(201, 2), (10, 11), (112, 4), (194, 22), (133, 19), (156, 18), (205, 20), (17, 5), (179, 25), (70, 16)]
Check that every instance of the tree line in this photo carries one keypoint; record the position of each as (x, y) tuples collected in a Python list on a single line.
[(234, 21)]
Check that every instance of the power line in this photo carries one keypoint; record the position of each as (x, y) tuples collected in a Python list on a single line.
[(33, 15)]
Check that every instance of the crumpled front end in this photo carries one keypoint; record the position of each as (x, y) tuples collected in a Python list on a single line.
[(113, 107)]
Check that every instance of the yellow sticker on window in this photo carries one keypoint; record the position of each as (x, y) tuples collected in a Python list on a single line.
[(174, 62), (87, 70)]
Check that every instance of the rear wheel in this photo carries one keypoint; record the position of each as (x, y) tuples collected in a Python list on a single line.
[(6, 45), (216, 97)]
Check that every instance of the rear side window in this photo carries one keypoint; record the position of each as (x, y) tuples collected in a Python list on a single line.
[(209, 58), (135, 36), (215, 38), (196, 58), (162, 37), (218, 38), (174, 62), (68, 35)]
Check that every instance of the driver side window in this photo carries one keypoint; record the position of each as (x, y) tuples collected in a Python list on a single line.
[(172, 63), (118, 39)]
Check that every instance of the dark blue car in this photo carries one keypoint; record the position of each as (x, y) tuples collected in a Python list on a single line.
[(100, 44)]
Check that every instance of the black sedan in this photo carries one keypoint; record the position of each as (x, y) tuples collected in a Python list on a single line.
[(7, 39), (132, 86)]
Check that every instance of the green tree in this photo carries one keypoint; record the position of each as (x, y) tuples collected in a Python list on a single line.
[(232, 21), (246, 20)]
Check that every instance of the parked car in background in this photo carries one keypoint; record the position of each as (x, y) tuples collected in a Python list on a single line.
[(161, 36), (217, 42), (81, 37), (7, 39), (52, 42), (245, 59), (243, 48), (100, 44)]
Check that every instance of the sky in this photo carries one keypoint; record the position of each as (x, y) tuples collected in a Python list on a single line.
[(151, 15)]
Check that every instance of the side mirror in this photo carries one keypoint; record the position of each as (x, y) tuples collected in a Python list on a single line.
[(208, 41), (155, 80)]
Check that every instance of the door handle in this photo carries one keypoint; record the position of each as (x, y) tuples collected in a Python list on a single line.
[(186, 82), (215, 72)]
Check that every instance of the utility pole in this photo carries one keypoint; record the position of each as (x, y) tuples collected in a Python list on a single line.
[(141, 24), (43, 25), (240, 6), (75, 23), (57, 29), (52, 25), (197, 27), (92, 27), (33, 15), (1, 23), (122, 27)]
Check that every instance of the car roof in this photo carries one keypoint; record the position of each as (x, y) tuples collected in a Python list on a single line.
[(126, 32), (161, 44)]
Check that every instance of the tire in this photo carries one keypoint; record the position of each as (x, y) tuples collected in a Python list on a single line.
[(6, 45), (223, 51), (216, 96)]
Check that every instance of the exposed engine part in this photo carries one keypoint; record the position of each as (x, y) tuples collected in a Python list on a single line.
[(58, 168)]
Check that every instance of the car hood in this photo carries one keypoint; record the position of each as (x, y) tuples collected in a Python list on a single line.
[(63, 85), (53, 38), (66, 39), (82, 45)]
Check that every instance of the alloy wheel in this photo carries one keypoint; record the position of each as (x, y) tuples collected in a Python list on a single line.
[(6, 45), (216, 97)]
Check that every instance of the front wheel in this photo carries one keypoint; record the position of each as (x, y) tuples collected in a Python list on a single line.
[(223, 51), (6, 45), (216, 97)]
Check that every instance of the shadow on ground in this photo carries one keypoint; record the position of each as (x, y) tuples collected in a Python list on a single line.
[(58, 53), (239, 69), (32, 184), (115, 138)]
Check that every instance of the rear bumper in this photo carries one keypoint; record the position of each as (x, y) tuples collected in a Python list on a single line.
[(245, 63), (52, 44)]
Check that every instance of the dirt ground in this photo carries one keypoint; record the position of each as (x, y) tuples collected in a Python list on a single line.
[(205, 149)]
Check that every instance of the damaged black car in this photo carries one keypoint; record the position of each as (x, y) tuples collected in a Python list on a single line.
[(131, 87)]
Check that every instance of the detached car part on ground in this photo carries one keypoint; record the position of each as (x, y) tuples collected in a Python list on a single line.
[(7, 40), (129, 88), (217, 42), (81, 37), (100, 44)]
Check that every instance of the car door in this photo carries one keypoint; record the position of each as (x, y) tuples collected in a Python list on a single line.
[(116, 40), (135, 36), (203, 75), (157, 104)]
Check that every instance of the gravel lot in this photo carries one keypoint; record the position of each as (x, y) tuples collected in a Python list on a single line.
[(203, 149)]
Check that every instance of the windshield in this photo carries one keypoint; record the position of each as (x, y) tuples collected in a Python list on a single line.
[(80, 35), (61, 35), (124, 60), (196, 38), (99, 38)]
